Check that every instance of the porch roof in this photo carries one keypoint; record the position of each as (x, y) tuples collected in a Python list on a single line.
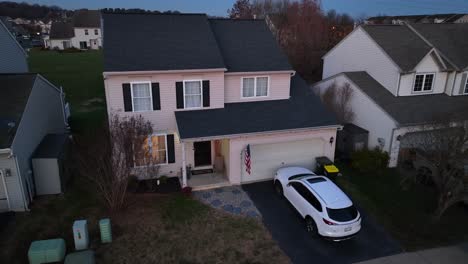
[(303, 110)]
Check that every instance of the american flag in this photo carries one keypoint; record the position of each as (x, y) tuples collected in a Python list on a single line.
[(247, 159)]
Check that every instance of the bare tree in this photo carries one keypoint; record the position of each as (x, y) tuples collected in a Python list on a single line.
[(337, 99), (241, 9), (108, 157), (440, 154)]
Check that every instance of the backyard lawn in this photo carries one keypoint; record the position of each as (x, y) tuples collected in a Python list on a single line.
[(80, 75), (407, 215)]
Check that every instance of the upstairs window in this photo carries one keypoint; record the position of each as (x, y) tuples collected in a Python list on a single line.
[(86, 32), (141, 97), (423, 82), (255, 86), (193, 94), (96, 32)]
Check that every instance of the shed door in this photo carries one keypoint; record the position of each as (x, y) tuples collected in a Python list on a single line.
[(267, 158)]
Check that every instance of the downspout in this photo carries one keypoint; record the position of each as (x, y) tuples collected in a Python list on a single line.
[(398, 84), (62, 97)]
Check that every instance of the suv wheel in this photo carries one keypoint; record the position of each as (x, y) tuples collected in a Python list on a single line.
[(311, 227), (279, 188)]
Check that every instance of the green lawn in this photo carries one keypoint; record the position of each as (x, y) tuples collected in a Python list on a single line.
[(406, 214), (80, 75)]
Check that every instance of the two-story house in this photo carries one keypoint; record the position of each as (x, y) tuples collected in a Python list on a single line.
[(403, 77), (82, 32), (30, 109), (226, 106)]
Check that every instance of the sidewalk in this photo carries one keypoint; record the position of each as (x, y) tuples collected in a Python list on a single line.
[(445, 255)]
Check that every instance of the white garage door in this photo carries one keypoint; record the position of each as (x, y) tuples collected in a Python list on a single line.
[(267, 158)]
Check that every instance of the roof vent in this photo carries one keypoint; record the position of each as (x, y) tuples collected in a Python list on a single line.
[(11, 124)]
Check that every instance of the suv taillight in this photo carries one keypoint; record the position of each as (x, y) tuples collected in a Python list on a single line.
[(328, 222)]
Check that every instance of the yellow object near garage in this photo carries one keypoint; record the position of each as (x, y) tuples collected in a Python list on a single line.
[(331, 169), (324, 166)]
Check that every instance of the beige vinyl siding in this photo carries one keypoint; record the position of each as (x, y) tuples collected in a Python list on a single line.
[(12, 183), (164, 120)]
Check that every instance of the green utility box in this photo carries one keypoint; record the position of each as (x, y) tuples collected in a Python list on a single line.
[(46, 251), (81, 257), (106, 231)]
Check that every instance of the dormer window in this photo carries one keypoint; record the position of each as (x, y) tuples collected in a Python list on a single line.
[(423, 82), (465, 91), (255, 86)]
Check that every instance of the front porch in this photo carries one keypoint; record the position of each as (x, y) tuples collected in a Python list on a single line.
[(204, 163)]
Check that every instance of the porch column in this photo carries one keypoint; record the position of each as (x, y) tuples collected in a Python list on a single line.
[(184, 167)]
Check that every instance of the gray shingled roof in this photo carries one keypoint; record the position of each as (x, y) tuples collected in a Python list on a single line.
[(302, 110), (14, 93), (61, 30), (248, 45), (407, 110), (87, 18), (144, 42), (403, 46), (450, 39)]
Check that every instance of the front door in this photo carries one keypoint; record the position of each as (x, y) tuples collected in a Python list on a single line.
[(202, 153)]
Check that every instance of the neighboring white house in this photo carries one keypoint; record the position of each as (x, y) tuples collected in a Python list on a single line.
[(82, 32), (403, 76)]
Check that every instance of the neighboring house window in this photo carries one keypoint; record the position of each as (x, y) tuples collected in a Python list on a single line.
[(96, 32), (255, 86), (154, 151), (465, 91), (423, 82), (193, 94), (86, 32), (141, 97)]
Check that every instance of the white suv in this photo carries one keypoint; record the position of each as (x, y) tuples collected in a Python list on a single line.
[(326, 209)]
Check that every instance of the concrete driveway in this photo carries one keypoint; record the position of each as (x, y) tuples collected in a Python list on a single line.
[(287, 227)]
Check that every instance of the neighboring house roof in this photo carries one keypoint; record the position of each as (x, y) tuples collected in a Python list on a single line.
[(87, 18), (61, 30), (151, 42), (407, 45), (303, 110), (14, 93), (450, 39), (248, 45), (409, 110), (403, 46)]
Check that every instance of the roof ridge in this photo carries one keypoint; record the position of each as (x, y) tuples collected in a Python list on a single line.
[(152, 13), (236, 19)]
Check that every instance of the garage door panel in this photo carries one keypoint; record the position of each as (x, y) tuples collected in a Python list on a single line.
[(267, 158)]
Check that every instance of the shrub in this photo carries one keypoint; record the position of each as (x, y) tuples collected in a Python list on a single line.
[(370, 161)]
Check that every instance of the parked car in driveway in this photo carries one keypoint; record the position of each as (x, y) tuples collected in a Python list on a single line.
[(326, 209)]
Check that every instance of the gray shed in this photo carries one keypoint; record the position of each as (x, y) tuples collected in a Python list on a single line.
[(47, 164), (350, 139)]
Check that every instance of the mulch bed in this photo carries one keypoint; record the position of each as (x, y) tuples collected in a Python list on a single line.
[(171, 185)]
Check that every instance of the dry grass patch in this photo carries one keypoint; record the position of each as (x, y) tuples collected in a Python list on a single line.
[(178, 229)]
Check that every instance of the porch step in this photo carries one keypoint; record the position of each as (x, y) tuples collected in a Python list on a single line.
[(211, 186), (201, 171)]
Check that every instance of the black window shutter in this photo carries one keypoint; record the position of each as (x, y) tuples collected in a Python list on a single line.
[(170, 149), (180, 94), (127, 97), (156, 96), (206, 93)]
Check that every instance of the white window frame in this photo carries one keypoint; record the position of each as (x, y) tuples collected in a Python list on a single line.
[(96, 32), (201, 93), (151, 95), (255, 87), (465, 89), (424, 82), (150, 145), (86, 32)]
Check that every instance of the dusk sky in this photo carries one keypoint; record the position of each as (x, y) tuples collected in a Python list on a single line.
[(219, 7)]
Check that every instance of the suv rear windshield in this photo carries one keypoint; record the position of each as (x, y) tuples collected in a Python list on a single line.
[(343, 215)]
